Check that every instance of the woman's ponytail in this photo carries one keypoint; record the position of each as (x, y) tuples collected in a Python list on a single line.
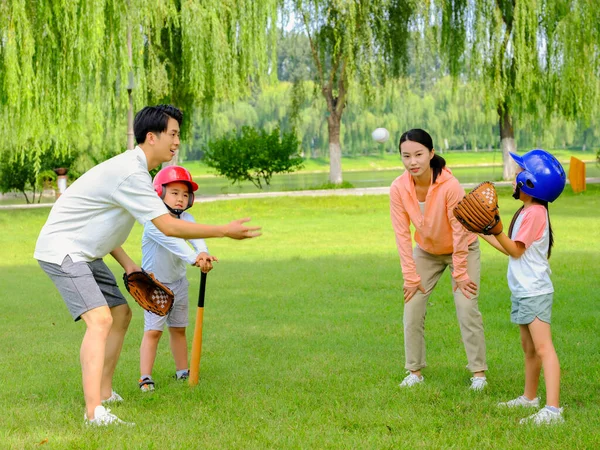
[(437, 163)]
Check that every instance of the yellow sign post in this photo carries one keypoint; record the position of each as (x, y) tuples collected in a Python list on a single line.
[(577, 175)]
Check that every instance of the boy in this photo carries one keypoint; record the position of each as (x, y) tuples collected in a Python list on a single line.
[(166, 257), (92, 219)]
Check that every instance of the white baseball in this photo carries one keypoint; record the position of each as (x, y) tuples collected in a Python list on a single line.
[(380, 135)]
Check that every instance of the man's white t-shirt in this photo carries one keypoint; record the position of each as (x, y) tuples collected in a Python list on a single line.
[(167, 257), (96, 213)]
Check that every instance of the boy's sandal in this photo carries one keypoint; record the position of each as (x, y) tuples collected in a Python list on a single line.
[(146, 384)]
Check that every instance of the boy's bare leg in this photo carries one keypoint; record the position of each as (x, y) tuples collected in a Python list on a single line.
[(92, 353), (533, 363), (148, 351), (179, 347), (542, 338), (121, 316)]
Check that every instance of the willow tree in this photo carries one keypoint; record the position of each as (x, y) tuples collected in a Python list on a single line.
[(65, 66), (537, 58), (354, 43)]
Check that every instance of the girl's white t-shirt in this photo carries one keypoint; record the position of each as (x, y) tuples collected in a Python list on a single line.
[(529, 275)]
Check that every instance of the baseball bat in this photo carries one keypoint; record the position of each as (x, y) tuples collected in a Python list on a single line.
[(197, 342)]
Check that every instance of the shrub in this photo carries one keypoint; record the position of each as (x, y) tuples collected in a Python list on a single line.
[(254, 155), (18, 173)]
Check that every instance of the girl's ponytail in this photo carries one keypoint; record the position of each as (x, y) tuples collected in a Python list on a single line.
[(550, 232)]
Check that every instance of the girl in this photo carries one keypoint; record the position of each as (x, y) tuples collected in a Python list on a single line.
[(540, 179), (425, 194)]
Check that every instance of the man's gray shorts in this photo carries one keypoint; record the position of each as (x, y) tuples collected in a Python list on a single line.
[(84, 285), (524, 310), (178, 316)]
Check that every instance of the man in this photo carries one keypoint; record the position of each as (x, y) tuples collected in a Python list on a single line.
[(93, 218)]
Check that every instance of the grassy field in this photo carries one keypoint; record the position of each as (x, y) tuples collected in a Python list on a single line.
[(303, 344)]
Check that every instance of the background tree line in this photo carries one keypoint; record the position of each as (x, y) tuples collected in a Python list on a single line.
[(455, 115), (70, 70)]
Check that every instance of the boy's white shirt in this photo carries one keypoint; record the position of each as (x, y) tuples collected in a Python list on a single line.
[(529, 275), (167, 257), (96, 213)]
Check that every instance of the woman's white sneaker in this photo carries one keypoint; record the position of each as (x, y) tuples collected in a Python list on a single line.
[(521, 401), (478, 383), (103, 417), (411, 379)]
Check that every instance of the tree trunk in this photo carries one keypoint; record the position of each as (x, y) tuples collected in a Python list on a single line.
[(335, 149), (507, 143), (130, 135)]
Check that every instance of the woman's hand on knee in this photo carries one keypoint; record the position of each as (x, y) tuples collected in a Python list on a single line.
[(467, 287), (409, 292)]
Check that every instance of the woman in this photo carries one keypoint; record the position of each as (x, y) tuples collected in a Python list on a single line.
[(425, 195)]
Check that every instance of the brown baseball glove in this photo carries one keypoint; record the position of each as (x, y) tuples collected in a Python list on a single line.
[(149, 293), (478, 210)]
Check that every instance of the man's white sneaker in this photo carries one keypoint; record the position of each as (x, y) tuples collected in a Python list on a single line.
[(103, 417), (114, 398), (544, 416), (521, 401), (478, 383), (411, 379)]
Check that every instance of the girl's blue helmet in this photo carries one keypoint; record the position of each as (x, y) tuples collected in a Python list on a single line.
[(543, 177)]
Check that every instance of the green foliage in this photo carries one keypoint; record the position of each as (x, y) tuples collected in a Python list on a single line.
[(254, 155), (535, 57), (455, 113), (294, 59), (47, 179), (16, 173), (65, 67), (22, 171)]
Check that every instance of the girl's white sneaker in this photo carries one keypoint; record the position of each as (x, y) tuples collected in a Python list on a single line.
[(544, 416)]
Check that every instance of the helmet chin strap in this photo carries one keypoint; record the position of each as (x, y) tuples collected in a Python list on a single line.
[(517, 194), (177, 212)]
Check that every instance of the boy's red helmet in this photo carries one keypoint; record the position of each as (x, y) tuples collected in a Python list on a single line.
[(171, 174)]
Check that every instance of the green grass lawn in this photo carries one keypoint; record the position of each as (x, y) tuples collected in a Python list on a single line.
[(303, 344)]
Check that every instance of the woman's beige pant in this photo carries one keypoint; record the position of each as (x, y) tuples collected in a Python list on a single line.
[(430, 268)]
